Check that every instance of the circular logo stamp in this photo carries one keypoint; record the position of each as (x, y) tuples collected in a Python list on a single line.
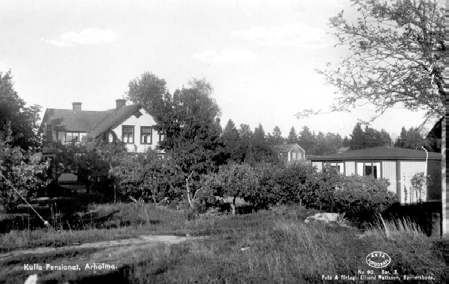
[(378, 259)]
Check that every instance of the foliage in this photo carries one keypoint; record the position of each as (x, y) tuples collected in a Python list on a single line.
[(396, 56), (368, 138), (292, 136), (146, 177), (22, 120), (362, 196), (411, 139), (326, 144), (90, 161), (231, 139), (189, 119), (24, 169), (276, 136), (306, 139), (419, 183), (238, 180)]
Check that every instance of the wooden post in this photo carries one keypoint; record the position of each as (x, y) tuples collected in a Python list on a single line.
[(444, 220)]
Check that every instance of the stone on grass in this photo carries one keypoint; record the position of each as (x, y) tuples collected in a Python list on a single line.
[(325, 217)]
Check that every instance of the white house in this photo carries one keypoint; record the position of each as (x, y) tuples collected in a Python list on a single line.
[(131, 124), (398, 165)]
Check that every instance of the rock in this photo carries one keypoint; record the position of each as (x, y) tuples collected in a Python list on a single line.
[(32, 279), (325, 217)]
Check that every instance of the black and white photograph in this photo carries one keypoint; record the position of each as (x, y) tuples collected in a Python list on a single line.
[(223, 141)]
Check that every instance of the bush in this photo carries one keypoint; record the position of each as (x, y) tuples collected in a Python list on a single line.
[(362, 196), (23, 170), (146, 177)]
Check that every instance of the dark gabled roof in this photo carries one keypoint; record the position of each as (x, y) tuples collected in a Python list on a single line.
[(436, 130), (285, 148), (70, 120), (379, 153), (342, 149), (114, 118)]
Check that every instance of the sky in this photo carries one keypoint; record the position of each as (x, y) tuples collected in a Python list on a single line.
[(259, 56)]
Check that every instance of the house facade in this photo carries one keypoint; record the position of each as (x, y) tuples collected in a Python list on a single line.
[(398, 165), (289, 153), (131, 124)]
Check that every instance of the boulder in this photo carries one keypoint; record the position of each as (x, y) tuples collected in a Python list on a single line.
[(324, 217)]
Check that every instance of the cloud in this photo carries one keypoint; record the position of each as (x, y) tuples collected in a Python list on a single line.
[(89, 36), (231, 56), (294, 34)]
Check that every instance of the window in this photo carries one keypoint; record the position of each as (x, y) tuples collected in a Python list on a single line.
[(336, 166), (293, 156), (146, 135), (72, 137), (61, 136), (369, 169), (128, 134), (49, 133)]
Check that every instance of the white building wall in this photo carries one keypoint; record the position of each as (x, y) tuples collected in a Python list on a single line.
[(144, 120), (350, 168), (408, 170), (318, 165), (389, 172)]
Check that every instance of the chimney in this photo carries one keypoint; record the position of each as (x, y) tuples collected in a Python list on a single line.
[(387, 142), (119, 103), (76, 106)]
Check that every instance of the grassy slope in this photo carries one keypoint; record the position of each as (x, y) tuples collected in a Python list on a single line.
[(278, 248)]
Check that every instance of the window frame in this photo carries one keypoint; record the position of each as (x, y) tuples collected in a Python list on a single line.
[(376, 169), (146, 134), (49, 133), (123, 134)]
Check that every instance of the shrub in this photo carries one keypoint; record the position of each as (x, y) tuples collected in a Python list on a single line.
[(362, 196), (301, 183), (145, 177), (267, 191), (22, 170)]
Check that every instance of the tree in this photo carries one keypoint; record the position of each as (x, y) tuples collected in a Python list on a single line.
[(346, 142), (292, 136), (333, 143), (385, 137), (22, 120), (306, 139), (411, 139), (90, 161), (396, 56), (319, 147), (190, 121), (259, 135), (357, 138), (260, 149), (20, 170), (245, 132), (145, 177), (276, 137), (368, 138), (231, 139)]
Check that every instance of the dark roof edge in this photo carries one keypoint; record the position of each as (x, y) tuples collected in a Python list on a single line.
[(371, 159)]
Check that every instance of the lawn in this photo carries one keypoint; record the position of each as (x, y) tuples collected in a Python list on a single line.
[(273, 246)]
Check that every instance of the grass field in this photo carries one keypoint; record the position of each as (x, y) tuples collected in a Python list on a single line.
[(273, 246)]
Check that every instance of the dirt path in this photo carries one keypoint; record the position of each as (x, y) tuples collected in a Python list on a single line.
[(133, 242), (117, 253)]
